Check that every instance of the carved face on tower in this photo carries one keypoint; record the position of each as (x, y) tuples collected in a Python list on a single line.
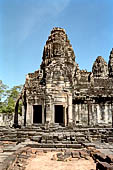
[(57, 49), (100, 68), (58, 53)]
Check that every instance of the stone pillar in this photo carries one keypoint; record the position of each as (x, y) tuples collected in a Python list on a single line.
[(29, 114), (93, 120), (79, 113), (64, 116), (70, 108), (89, 113), (48, 109), (112, 113), (43, 114), (48, 113), (106, 114), (98, 114), (73, 111), (53, 113), (23, 116), (67, 116), (76, 113)]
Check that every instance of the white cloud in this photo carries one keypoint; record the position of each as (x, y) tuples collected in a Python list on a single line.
[(22, 19), (36, 15), (60, 5)]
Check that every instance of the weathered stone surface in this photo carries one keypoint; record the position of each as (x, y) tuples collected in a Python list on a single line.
[(60, 93), (109, 158), (103, 166), (100, 68), (75, 154), (84, 154)]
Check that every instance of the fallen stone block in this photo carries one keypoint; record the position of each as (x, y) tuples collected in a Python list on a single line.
[(109, 158), (99, 156), (103, 166), (60, 137), (75, 154), (84, 154)]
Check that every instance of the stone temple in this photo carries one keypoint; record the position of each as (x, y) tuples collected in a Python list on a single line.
[(60, 93)]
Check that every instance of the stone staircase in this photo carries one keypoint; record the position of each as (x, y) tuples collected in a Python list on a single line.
[(57, 136), (52, 137)]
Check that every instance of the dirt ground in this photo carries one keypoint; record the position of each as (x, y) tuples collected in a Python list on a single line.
[(43, 162)]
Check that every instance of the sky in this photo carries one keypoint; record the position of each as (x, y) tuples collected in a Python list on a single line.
[(26, 24)]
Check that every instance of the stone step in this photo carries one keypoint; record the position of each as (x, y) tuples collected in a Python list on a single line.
[(88, 145), (12, 139), (74, 146), (10, 149)]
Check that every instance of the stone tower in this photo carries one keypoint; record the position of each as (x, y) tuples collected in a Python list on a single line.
[(58, 57), (49, 89), (59, 92)]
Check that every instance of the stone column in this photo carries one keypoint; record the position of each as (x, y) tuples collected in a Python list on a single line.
[(112, 113), (98, 114), (89, 113), (23, 110), (76, 113), (73, 111), (53, 113), (64, 116), (48, 113), (93, 120), (48, 109), (29, 114), (106, 114), (70, 108), (79, 113), (43, 114)]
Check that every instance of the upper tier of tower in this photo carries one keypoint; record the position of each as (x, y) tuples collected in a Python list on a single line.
[(58, 48)]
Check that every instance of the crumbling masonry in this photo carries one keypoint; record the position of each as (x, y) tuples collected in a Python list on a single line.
[(59, 92)]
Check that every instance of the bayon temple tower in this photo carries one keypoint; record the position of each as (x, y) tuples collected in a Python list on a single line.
[(59, 92)]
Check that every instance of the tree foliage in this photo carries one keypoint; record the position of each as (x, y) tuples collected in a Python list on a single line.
[(3, 89), (8, 98)]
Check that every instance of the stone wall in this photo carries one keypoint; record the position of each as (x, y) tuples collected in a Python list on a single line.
[(7, 119), (92, 114)]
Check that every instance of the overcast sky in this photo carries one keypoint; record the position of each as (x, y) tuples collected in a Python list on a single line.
[(26, 24)]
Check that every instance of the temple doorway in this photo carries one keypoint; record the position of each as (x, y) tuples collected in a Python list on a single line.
[(59, 114), (37, 114)]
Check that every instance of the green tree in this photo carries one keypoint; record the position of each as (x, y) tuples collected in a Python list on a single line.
[(3, 89), (3, 95), (8, 98), (13, 94)]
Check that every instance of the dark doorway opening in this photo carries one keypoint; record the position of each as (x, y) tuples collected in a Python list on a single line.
[(59, 114), (37, 114)]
